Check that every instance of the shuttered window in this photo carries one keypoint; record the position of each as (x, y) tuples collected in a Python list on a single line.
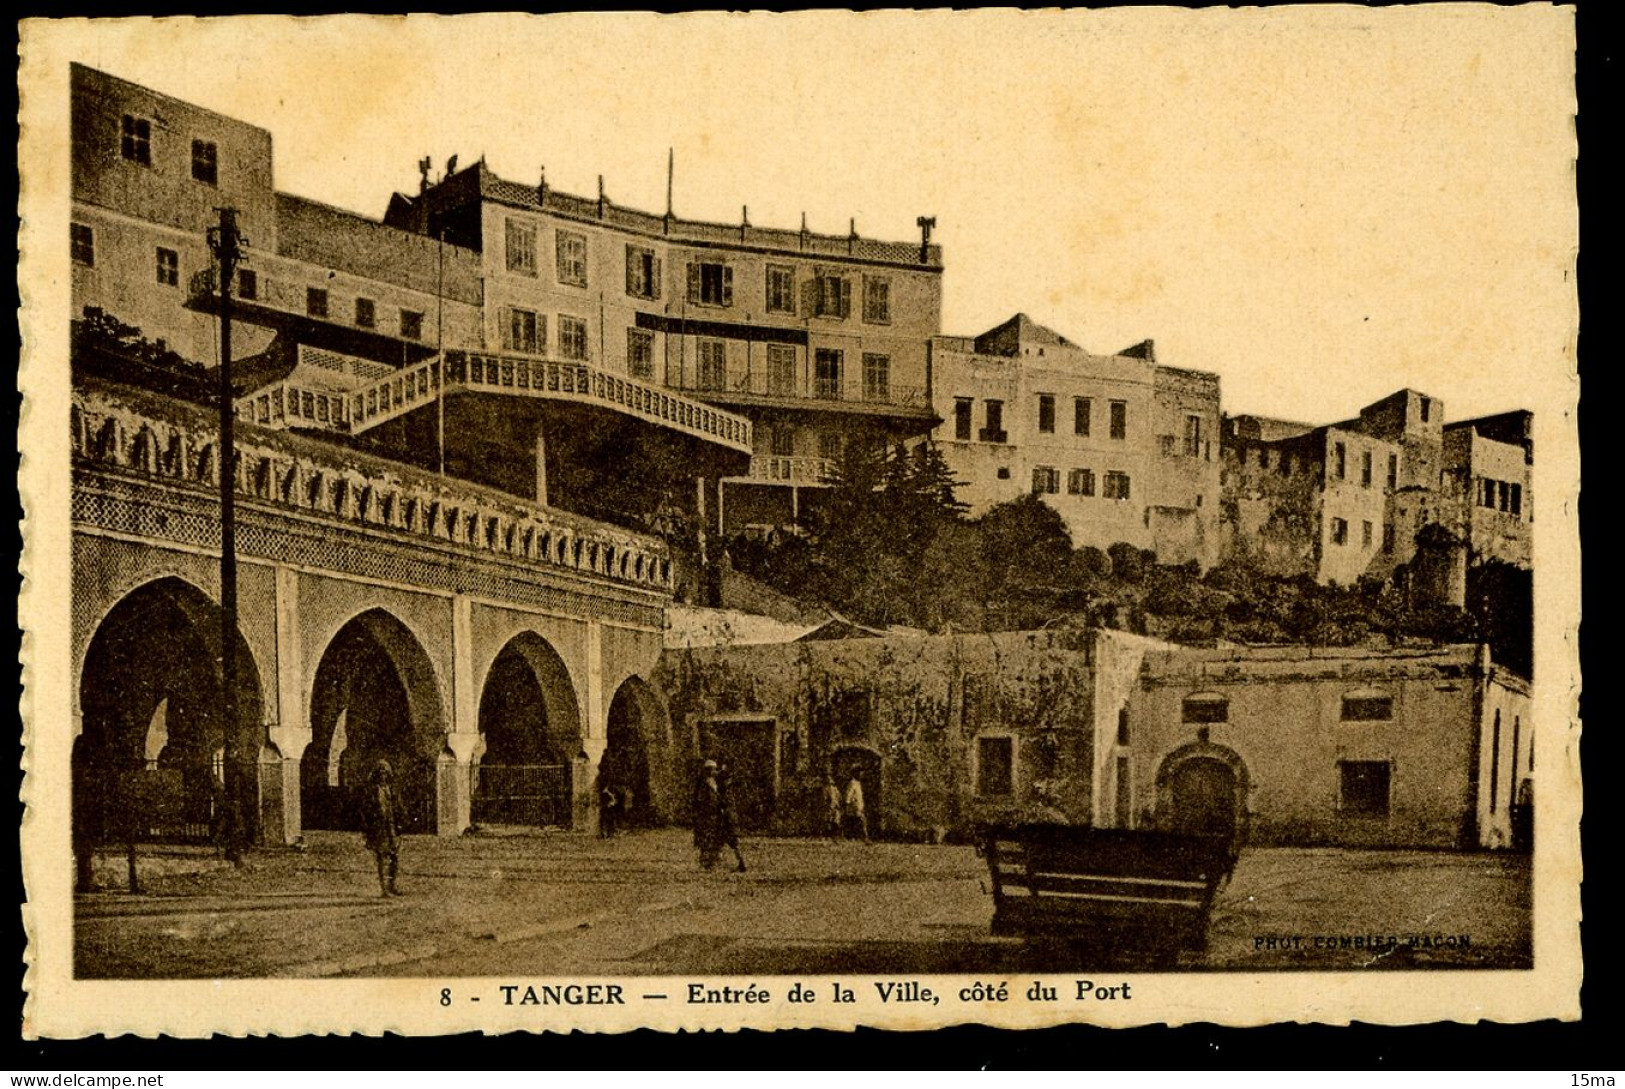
[(710, 283)]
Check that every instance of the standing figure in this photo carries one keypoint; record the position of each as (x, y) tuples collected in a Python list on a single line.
[(830, 820), (380, 826), (707, 811), (727, 831), (608, 808), (856, 819)]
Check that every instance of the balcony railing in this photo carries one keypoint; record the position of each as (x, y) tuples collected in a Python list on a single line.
[(292, 404), (761, 382), (792, 470), (148, 435)]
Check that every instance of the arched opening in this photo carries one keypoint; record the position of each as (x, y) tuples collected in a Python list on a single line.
[(375, 696), (1202, 798), (1202, 790), (149, 764), (532, 729), (637, 740)]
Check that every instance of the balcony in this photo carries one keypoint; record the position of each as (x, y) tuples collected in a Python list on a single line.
[(780, 469), (300, 403), (763, 387)]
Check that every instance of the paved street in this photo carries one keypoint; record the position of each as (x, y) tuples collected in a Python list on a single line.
[(564, 904)]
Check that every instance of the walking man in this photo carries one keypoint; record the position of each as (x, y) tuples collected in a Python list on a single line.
[(380, 827), (707, 811), (727, 831), (831, 820), (856, 818)]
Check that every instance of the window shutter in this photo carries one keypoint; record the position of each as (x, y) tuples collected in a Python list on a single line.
[(541, 333), (845, 305), (693, 282), (654, 287), (633, 259), (727, 285)]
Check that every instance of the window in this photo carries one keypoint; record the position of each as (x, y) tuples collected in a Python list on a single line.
[(365, 314), (782, 441), (829, 444), (1116, 486), (1081, 409), (827, 374), (962, 411), (993, 422), (1046, 412), (1119, 419), (781, 370), (1003, 472), (82, 244), (1285, 464), (1263, 457), (1517, 499), (1165, 443), (833, 297), (1503, 492), (877, 300), (1495, 762), (995, 766), (1365, 534), (781, 289), (205, 162), (573, 338), (1367, 707), (1340, 531), (1365, 469), (642, 272), (710, 283), (1080, 482), (316, 302), (1046, 480), (876, 377), (169, 267), (1364, 786), (640, 353), (1393, 471), (1122, 726), (1340, 459), (1204, 708), (571, 251), (1427, 408), (522, 333), (713, 363), (521, 247), (1193, 436), (135, 140), (248, 283), (412, 324), (1388, 537)]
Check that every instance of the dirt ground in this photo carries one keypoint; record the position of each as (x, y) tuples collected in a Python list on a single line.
[(567, 904)]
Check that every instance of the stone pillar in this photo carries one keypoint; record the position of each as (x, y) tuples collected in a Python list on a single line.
[(453, 781), (289, 735), (452, 776), (583, 784), (280, 824)]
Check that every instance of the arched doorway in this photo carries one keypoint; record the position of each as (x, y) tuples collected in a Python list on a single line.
[(637, 743), (375, 696), (150, 763), (532, 730), (1202, 790)]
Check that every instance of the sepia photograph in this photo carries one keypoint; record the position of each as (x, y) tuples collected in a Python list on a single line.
[(678, 520)]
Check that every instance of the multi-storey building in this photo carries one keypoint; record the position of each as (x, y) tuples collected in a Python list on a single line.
[(1125, 449), (820, 340), (416, 578), (1353, 499)]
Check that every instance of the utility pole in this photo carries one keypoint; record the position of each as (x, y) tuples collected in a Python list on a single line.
[(227, 244)]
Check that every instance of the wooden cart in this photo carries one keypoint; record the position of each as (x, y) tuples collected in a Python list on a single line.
[(1143, 892)]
